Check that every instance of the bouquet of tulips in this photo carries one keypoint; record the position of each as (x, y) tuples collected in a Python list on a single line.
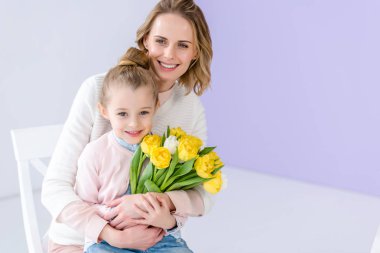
[(175, 162)]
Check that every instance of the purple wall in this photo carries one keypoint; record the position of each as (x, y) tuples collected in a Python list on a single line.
[(296, 89)]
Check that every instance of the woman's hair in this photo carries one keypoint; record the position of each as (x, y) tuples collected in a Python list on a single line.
[(132, 71), (198, 76)]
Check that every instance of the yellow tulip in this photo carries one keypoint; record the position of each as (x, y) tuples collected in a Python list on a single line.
[(177, 132), (204, 166), (217, 162), (160, 157), (215, 184), (188, 147), (149, 143)]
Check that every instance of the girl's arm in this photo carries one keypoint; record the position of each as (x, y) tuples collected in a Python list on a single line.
[(87, 187)]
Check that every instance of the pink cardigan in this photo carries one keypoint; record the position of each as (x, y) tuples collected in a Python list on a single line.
[(103, 175)]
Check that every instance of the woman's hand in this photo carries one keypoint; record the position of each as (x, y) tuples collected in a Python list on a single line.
[(137, 237), (155, 212)]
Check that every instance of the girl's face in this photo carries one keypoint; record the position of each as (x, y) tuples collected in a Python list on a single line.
[(130, 112), (171, 47)]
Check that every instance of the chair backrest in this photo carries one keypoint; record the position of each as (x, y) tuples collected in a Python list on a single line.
[(376, 242), (30, 145)]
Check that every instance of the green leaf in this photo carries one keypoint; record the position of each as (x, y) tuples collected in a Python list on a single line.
[(172, 166), (163, 138), (153, 174), (151, 187), (132, 181), (190, 182), (157, 174), (168, 131), (182, 170), (141, 162), (160, 177), (206, 150), (191, 186), (136, 157), (216, 170), (134, 170), (146, 175), (189, 175)]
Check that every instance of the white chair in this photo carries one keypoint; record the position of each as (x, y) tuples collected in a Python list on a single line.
[(376, 242), (30, 146)]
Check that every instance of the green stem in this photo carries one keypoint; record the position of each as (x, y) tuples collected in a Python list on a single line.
[(154, 174), (141, 161)]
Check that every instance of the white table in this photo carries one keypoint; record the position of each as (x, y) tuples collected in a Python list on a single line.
[(259, 213)]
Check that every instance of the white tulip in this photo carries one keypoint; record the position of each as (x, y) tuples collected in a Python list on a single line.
[(171, 143)]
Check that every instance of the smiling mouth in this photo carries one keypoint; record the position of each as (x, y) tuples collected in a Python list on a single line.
[(168, 66), (133, 133)]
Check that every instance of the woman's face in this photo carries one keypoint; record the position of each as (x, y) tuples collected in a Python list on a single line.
[(171, 47)]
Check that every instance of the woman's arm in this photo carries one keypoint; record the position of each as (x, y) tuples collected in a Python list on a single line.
[(139, 237), (58, 194), (58, 184), (195, 202)]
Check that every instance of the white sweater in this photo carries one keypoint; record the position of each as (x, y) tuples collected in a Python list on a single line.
[(85, 124)]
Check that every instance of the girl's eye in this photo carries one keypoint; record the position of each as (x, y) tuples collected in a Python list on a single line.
[(122, 114), (144, 113), (183, 45)]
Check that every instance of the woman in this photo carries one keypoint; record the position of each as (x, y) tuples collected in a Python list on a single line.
[(176, 37)]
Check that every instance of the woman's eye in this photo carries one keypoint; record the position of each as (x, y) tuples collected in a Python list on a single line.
[(183, 45), (160, 41), (122, 114), (144, 113)]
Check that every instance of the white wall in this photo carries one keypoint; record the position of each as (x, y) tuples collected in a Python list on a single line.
[(47, 48)]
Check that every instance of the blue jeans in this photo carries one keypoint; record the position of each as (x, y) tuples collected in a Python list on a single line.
[(168, 244)]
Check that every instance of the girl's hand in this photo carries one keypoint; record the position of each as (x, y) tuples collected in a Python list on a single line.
[(166, 198), (123, 211), (155, 212)]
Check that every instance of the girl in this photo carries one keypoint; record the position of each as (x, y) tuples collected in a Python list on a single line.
[(128, 100), (176, 38)]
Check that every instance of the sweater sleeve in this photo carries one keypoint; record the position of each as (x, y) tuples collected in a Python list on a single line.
[(199, 122), (200, 130), (58, 185), (195, 202), (84, 219)]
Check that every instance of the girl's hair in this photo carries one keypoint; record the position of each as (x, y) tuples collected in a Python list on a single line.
[(198, 76), (132, 71)]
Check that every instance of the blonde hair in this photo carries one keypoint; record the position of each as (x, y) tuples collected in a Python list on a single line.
[(132, 71), (198, 76)]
